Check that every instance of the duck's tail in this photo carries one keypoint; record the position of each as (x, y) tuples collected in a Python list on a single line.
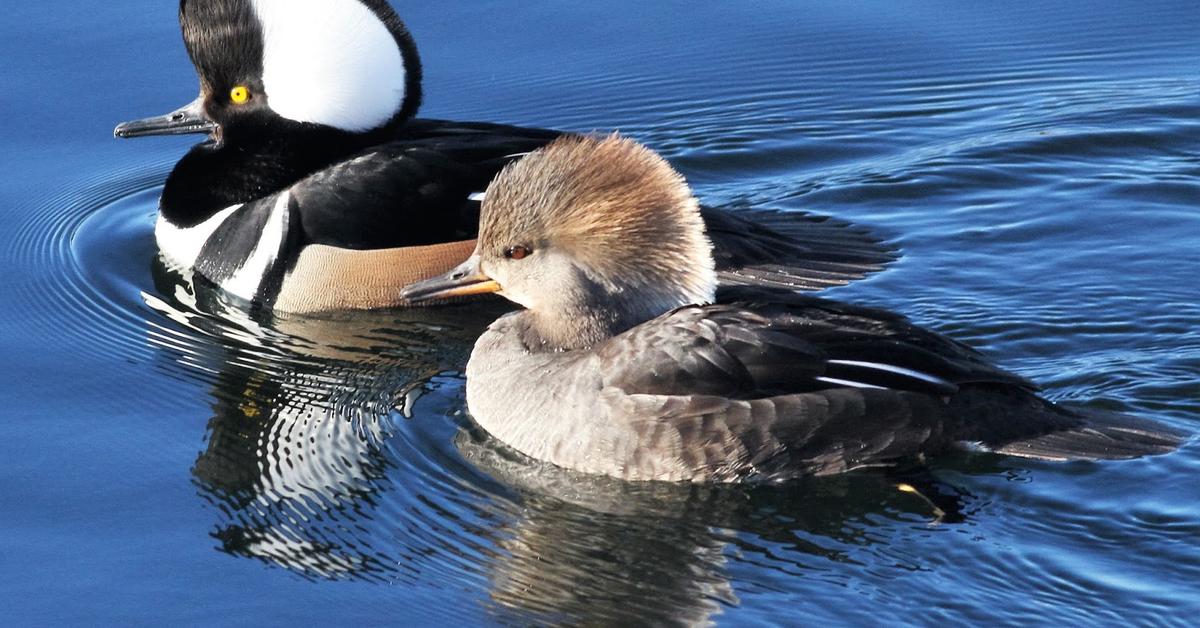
[(1101, 435), (1017, 422)]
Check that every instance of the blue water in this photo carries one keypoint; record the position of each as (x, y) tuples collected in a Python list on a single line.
[(165, 460)]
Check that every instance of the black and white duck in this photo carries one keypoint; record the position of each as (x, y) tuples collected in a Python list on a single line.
[(317, 188)]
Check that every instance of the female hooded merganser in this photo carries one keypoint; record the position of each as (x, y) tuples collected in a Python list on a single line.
[(617, 367), (318, 190)]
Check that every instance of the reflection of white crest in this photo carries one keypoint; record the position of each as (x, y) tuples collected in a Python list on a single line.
[(330, 62), (316, 450), (303, 409), (313, 463)]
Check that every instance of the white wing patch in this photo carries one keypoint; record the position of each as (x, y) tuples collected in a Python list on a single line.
[(331, 62), (898, 370), (846, 382), (181, 246), (477, 196)]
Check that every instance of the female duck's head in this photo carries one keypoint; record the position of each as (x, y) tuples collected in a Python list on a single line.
[(592, 235), (349, 65)]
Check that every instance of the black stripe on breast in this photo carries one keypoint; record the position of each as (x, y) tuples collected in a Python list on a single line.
[(235, 241)]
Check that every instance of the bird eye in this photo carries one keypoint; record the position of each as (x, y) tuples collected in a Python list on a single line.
[(239, 95), (517, 252)]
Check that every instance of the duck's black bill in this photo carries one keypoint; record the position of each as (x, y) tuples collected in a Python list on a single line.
[(463, 280), (187, 119)]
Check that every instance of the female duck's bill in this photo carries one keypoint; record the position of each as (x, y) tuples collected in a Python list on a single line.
[(628, 362)]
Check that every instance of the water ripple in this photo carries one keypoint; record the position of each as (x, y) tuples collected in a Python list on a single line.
[(78, 248), (1037, 163)]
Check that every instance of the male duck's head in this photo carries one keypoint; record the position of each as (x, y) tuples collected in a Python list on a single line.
[(349, 65), (592, 235)]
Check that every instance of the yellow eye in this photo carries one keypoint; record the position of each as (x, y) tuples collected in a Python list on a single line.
[(239, 94)]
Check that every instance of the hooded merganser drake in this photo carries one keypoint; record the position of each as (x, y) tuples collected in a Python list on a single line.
[(628, 361), (317, 189)]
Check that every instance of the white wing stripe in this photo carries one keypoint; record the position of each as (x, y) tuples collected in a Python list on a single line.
[(891, 368), (846, 382)]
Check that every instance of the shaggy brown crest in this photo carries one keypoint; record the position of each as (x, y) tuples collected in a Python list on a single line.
[(613, 204)]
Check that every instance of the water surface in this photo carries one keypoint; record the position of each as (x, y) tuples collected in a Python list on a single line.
[(166, 459)]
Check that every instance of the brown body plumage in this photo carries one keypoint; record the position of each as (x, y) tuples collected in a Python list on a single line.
[(617, 369)]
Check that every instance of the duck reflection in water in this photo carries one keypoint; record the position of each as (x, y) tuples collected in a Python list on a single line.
[(592, 549), (303, 409), (311, 465)]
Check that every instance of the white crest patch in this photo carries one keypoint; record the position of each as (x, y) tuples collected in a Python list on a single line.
[(331, 62)]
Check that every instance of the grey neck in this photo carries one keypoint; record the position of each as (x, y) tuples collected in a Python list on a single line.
[(587, 325)]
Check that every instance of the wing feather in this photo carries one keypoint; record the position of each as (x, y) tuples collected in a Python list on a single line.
[(753, 389)]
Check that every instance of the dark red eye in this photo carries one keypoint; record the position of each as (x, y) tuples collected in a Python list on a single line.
[(516, 252)]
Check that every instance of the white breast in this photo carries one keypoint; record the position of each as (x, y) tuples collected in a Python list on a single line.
[(181, 245)]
